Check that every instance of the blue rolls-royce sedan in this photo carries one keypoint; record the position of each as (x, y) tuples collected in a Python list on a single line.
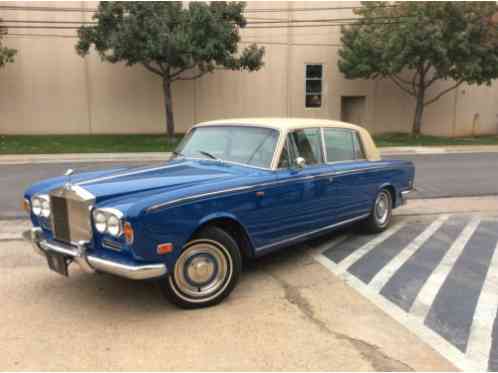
[(233, 189)]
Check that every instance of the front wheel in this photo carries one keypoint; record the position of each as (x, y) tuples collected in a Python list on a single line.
[(381, 214), (206, 271)]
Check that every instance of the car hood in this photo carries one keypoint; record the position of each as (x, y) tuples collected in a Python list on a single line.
[(153, 180)]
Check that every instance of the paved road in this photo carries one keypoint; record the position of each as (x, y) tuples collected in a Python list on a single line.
[(441, 175), (455, 175), (437, 275)]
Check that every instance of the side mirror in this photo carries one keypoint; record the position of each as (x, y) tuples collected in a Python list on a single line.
[(300, 162)]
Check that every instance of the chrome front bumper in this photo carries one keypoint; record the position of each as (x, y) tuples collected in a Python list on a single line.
[(92, 263)]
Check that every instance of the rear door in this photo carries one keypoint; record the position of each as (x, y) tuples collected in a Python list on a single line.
[(345, 157)]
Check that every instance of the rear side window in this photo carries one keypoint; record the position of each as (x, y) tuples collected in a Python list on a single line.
[(339, 144), (358, 148)]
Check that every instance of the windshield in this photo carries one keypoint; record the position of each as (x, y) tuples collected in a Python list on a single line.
[(252, 146)]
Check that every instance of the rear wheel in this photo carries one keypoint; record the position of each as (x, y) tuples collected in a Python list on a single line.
[(381, 214), (206, 271)]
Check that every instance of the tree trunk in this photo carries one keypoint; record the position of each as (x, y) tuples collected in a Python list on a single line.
[(168, 107), (419, 111)]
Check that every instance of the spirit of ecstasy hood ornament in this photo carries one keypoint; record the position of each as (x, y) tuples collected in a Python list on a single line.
[(68, 174)]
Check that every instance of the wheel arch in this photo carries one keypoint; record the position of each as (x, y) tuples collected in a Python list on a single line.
[(232, 226), (392, 190)]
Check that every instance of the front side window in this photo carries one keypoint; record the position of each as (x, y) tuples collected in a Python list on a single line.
[(314, 80), (306, 143), (253, 146), (339, 145)]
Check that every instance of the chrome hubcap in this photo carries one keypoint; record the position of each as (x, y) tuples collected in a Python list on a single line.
[(382, 208), (202, 270)]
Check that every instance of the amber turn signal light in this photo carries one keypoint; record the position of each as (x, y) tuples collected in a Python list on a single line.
[(164, 248), (26, 206), (128, 233)]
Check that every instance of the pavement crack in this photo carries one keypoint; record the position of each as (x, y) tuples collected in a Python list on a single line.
[(370, 352)]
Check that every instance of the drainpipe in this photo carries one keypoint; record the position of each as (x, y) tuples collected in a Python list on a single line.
[(288, 62)]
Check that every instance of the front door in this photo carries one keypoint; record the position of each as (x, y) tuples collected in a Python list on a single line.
[(299, 205)]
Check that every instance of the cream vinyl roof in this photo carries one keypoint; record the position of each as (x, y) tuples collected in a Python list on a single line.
[(289, 124)]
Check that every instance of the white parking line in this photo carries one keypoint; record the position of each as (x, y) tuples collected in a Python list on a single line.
[(429, 290), (370, 245), (412, 322), (384, 275), (480, 338)]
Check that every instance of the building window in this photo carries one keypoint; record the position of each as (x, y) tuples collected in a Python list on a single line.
[(314, 85)]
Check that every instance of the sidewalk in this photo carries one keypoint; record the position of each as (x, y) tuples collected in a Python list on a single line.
[(157, 156)]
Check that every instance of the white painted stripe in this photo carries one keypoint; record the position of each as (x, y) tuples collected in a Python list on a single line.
[(336, 241), (385, 274), (129, 173), (480, 338), (370, 245), (429, 291), (416, 325)]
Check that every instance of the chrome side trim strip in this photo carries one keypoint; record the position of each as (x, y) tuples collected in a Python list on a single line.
[(404, 193), (278, 243), (183, 199), (255, 186)]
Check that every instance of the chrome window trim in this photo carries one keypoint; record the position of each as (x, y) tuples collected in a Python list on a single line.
[(278, 243)]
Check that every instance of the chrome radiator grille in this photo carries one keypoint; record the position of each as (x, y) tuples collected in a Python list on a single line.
[(60, 219), (71, 215)]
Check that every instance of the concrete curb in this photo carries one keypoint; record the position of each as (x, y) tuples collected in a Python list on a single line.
[(157, 156)]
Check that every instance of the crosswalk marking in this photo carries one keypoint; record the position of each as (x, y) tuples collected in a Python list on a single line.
[(480, 338), (428, 293), (383, 276), (357, 254)]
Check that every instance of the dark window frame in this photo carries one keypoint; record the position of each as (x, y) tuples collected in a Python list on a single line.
[(311, 94)]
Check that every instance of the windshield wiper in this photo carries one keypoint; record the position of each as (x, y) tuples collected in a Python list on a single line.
[(208, 154), (178, 154)]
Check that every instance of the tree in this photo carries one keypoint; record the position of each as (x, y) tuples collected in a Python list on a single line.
[(170, 40), (6, 54), (416, 44)]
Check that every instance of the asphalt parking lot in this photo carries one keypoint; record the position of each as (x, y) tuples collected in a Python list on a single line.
[(421, 296), (437, 274), (288, 313)]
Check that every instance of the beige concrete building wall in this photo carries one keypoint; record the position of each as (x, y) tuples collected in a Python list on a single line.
[(50, 89)]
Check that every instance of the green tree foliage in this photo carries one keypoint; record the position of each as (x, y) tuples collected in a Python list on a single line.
[(6, 54), (170, 40), (416, 44)]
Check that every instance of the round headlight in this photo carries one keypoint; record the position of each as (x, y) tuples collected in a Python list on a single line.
[(36, 206), (100, 222), (45, 208), (113, 225)]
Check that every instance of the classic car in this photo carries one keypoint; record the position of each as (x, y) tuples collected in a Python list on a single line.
[(233, 189)]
